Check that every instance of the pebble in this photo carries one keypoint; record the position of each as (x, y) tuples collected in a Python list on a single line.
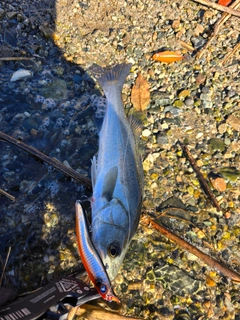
[(230, 173), (2, 13), (210, 282), (183, 94), (20, 74), (199, 29), (189, 101), (222, 128), (198, 42), (216, 144), (146, 133), (234, 120), (162, 140), (11, 14), (218, 183)]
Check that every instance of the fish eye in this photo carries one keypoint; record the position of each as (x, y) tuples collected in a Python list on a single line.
[(103, 288), (113, 250)]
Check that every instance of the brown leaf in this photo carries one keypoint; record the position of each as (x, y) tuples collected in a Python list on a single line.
[(140, 95)]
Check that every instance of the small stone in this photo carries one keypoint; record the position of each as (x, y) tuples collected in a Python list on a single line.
[(146, 133), (46, 258), (200, 79), (235, 145), (218, 183), (222, 128), (34, 132), (2, 13), (162, 139), (11, 14), (189, 101), (178, 103), (198, 42), (199, 135), (176, 24), (48, 32), (205, 97), (199, 163), (198, 30), (216, 144), (210, 282), (191, 257), (24, 218), (190, 190), (148, 162), (230, 173), (234, 120), (165, 126), (183, 94)]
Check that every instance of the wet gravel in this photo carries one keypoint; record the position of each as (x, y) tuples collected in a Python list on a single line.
[(56, 107)]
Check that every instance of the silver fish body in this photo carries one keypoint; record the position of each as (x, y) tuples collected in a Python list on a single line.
[(117, 176)]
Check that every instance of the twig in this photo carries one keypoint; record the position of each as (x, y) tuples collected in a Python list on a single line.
[(219, 7), (231, 53), (186, 46), (15, 58), (5, 265), (7, 195), (217, 26), (187, 246), (92, 312), (52, 162), (200, 176)]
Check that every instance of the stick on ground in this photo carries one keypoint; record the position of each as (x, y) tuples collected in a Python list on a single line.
[(5, 265), (200, 177), (231, 53), (15, 58), (92, 312), (52, 162), (219, 7), (187, 246), (7, 195), (216, 29)]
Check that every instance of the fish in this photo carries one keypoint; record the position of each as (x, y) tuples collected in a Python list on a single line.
[(116, 174), (90, 258)]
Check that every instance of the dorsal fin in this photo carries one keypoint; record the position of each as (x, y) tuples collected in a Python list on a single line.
[(110, 180)]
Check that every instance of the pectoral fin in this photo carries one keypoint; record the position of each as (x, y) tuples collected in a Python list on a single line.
[(94, 171), (109, 183)]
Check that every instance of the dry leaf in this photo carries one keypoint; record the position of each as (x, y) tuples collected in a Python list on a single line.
[(140, 95), (167, 56)]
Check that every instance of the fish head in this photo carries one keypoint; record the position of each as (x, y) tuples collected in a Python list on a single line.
[(110, 236)]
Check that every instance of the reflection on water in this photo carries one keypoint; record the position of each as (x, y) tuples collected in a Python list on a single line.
[(53, 111)]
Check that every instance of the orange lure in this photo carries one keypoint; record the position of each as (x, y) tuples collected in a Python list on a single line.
[(167, 56)]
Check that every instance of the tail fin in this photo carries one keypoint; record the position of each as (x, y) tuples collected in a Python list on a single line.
[(116, 75)]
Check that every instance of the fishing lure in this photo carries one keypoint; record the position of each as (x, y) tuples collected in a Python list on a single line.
[(90, 258)]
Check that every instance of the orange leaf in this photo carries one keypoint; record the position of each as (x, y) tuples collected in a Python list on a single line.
[(167, 56), (140, 95), (224, 2)]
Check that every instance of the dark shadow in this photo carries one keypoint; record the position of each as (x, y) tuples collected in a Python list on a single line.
[(53, 111)]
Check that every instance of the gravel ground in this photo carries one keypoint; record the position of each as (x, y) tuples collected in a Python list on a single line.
[(57, 108)]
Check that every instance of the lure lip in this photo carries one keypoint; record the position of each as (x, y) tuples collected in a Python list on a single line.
[(91, 259)]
